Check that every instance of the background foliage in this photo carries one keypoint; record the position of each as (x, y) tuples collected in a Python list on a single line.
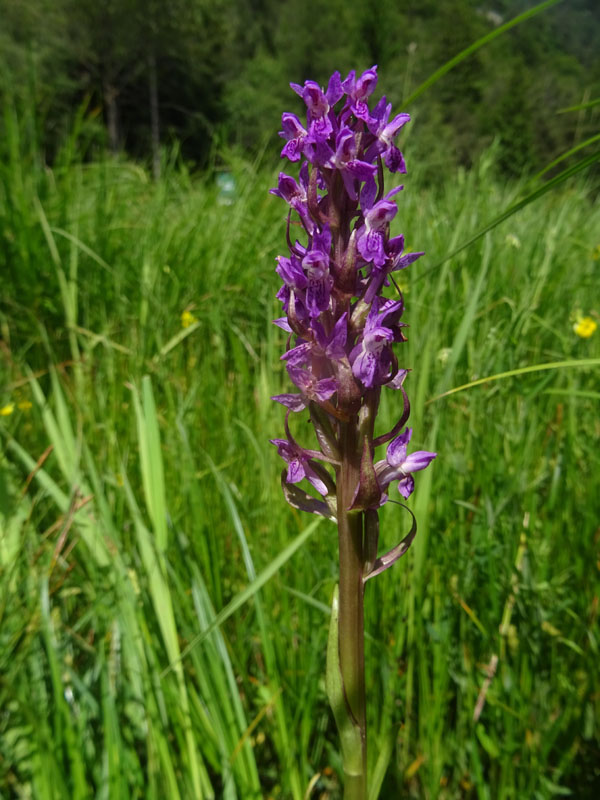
[(209, 72)]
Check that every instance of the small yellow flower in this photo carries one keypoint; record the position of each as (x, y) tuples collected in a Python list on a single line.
[(7, 410), (585, 327), (596, 252), (187, 319), (24, 405)]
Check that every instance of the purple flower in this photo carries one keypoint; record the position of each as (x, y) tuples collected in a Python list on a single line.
[(341, 329), (371, 359), (386, 132), (295, 196), (358, 90), (344, 159), (294, 132), (371, 236), (298, 461), (311, 388), (321, 345), (399, 466), (378, 276), (316, 267), (314, 97)]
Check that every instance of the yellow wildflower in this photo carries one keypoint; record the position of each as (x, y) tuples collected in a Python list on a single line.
[(24, 405), (187, 319), (7, 410), (596, 252), (585, 327)]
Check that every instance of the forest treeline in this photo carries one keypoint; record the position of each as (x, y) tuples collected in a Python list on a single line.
[(135, 75)]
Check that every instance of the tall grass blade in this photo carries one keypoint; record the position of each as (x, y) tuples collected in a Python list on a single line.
[(530, 198), (581, 363)]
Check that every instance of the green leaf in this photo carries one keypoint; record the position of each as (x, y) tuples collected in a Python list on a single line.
[(580, 106), (486, 741)]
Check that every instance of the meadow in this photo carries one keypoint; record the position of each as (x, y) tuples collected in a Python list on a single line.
[(164, 612)]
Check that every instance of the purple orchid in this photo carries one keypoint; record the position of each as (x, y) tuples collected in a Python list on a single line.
[(299, 466), (372, 235), (358, 90), (343, 334), (378, 274), (330, 346), (399, 466), (311, 388), (294, 132), (372, 359), (386, 132), (342, 330)]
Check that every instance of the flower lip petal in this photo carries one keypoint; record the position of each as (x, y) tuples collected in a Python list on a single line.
[(406, 486), (296, 471)]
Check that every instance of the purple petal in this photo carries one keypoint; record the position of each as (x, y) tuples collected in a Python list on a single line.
[(370, 246), (406, 486), (366, 84), (404, 261), (334, 89), (295, 402), (398, 379), (322, 241), (314, 479), (325, 388), (290, 272), (418, 461), (292, 127), (296, 471), (392, 128), (315, 99), (395, 246), (318, 294), (283, 324), (298, 356), (319, 130), (368, 195), (364, 368), (336, 348), (379, 115), (348, 84), (292, 150), (394, 160), (396, 450), (361, 170)]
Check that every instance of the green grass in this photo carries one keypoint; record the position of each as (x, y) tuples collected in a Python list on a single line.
[(164, 613)]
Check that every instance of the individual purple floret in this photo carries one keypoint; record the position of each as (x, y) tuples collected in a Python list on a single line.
[(299, 465), (399, 466), (343, 329)]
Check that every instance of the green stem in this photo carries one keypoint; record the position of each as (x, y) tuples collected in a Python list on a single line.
[(351, 613)]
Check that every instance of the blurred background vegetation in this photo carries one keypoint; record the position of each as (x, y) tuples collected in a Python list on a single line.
[(138, 74)]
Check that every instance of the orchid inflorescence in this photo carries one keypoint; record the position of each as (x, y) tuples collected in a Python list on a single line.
[(341, 326)]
